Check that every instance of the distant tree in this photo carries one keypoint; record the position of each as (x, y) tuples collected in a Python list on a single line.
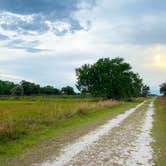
[(30, 88), (18, 90), (49, 90), (145, 90), (111, 78), (57, 91), (6, 87), (27, 88), (67, 90), (163, 89)]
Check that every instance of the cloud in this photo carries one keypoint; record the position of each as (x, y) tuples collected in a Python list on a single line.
[(29, 46), (130, 22), (11, 77), (30, 17)]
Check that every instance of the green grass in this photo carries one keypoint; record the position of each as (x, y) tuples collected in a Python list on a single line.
[(18, 117), (159, 132), (29, 122)]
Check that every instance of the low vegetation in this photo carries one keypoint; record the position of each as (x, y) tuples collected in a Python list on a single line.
[(159, 132), (19, 117)]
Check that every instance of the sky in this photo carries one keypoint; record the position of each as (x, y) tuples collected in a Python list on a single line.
[(43, 41)]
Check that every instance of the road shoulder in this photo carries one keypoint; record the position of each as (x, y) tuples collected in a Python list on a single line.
[(159, 132)]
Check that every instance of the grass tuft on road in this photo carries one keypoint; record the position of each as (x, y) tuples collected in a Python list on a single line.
[(159, 132)]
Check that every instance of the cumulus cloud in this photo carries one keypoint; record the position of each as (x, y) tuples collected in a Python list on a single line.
[(29, 17), (34, 18)]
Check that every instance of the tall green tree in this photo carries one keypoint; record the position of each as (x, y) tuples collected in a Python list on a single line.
[(111, 78), (163, 89)]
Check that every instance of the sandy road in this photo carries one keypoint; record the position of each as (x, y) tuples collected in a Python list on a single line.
[(122, 141)]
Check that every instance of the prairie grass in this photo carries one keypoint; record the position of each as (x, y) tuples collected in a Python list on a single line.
[(19, 117), (159, 132)]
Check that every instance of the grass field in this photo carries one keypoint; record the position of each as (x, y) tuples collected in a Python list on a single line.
[(22, 116), (159, 132), (24, 122)]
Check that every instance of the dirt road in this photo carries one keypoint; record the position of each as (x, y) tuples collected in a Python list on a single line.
[(122, 141)]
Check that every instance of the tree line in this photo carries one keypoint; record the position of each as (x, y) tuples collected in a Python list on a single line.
[(110, 78), (29, 88)]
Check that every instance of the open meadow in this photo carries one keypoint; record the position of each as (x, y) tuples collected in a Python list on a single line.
[(21, 116)]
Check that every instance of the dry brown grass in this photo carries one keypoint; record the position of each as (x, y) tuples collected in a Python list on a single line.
[(163, 100)]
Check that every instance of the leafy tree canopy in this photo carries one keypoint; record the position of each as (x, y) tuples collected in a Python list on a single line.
[(111, 78)]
